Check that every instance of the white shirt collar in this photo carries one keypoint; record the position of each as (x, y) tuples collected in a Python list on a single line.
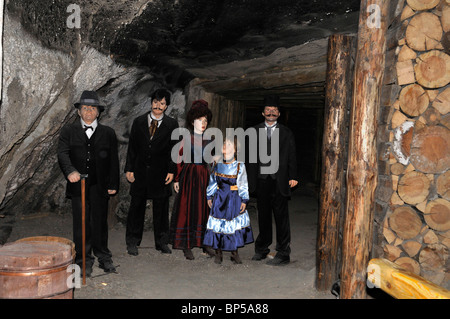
[(150, 118), (270, 126), (93, 124)]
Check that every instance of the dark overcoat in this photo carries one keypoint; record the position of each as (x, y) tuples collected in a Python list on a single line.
[(73, 148), (287, 161), (150, 160)]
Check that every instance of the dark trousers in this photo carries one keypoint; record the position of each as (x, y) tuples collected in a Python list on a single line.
[(136, 216), (270, 201), (96, 227)]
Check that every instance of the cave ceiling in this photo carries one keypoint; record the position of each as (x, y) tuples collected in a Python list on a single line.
[(191, 38)]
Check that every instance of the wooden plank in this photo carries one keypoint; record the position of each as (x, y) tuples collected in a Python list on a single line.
[(401, 283)]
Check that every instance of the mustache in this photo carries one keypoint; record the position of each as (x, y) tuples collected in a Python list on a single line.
[(157, 108), (271, 114)]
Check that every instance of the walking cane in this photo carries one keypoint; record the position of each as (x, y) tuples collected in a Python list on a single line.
[(83, 223)]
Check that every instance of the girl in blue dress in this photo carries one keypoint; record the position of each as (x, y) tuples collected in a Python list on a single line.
[(228, 226)]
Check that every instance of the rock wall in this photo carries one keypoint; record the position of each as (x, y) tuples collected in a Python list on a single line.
[(412, 207), (40, 86)]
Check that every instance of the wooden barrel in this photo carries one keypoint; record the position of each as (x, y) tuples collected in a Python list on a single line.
[(61, 240), (36, 267)]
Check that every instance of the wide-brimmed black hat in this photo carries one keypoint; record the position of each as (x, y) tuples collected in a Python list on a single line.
[(90, 98)]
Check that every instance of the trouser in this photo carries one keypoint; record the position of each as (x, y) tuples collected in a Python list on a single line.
[(136, 216), (96, 227), (270, 201)]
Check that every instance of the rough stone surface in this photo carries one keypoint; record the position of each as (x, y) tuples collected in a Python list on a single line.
[(41, 86), (186, 33)]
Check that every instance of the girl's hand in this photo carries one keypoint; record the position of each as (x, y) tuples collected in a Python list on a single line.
[(210, 203), (130, 177), (243, 205), (176, 186)]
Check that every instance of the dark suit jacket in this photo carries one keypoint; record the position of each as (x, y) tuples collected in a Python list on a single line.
[(72, 156), (287, 162), (150, 161)]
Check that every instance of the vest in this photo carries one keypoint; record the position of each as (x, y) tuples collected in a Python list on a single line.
[(91, 166)]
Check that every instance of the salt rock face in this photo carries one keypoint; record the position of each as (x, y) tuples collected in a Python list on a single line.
[(40, 86)]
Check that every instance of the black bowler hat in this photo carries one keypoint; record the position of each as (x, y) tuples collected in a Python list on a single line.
[(271, 100), (89, 98)]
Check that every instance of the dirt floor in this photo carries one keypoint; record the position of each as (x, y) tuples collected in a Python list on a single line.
[(152, 275)]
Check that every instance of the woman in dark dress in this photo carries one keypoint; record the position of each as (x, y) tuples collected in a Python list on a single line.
[(191, 211)]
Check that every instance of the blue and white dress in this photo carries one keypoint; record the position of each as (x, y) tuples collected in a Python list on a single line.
[(227, 228)]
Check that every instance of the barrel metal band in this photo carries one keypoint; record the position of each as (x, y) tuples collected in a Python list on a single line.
[(35, 272)]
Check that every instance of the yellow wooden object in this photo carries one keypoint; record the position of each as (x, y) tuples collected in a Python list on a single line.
[(400, 283)]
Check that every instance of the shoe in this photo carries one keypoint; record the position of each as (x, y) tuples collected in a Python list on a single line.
[(209, 251), (88, 270), (188, 254), (132, 250), (279, 261), (107, 266), (164, 249), (259, 256), (235, 257), (218, 256)]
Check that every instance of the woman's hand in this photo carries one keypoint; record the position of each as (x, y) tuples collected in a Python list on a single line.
[(130, 177)]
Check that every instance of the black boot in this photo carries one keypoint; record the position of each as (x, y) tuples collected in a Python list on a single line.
[(209, 251), (235, 257), (218, 256), (188, 254)]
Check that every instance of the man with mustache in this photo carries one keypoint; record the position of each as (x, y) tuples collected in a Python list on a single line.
[(273, 190), (150, 170)]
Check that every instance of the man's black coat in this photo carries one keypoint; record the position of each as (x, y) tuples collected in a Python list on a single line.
[(73, 154), (150, 160), (287, 161)]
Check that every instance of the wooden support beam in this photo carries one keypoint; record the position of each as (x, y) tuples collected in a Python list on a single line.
[(306, 74), (362, 160), (402, 284), (332, 190)]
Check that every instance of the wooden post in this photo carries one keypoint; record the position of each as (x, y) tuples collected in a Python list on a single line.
[(332, 190), (362, 167)]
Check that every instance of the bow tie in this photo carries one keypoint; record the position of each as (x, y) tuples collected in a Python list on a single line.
[(88, 127)]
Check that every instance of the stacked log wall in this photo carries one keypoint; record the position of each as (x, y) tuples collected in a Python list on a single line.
[(412, 210)]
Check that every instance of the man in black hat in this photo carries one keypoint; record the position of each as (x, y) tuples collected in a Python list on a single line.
[(150, 170), (88, 148), (273, 189)]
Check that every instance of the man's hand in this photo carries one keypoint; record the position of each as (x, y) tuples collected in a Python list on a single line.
[(293, 183), (74, 177), (112, 191), (130, 177), (169, 178)]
